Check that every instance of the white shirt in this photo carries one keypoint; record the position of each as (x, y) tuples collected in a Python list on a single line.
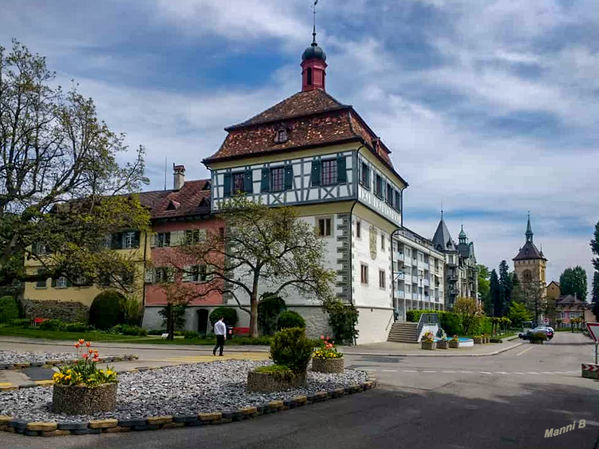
[(220, 328)]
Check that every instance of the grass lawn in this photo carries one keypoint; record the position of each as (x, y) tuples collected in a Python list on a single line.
[(104, 336)]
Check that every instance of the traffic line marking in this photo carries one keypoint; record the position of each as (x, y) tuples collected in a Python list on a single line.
[(389, 370), (466, 372), (409, 371), (449, 372), (485, 372), (522, 352), (425, 371)]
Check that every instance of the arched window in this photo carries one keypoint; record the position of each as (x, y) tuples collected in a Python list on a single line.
[(309, 76), (527, 276)]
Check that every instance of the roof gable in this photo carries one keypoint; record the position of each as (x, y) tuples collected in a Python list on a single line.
[(529, 251)]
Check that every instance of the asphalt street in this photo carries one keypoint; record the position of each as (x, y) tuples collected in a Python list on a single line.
[(504, 401)]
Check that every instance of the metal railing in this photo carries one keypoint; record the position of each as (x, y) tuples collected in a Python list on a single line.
[(425, 319)]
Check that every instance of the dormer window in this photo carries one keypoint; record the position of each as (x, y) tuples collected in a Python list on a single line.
[(281, 135)]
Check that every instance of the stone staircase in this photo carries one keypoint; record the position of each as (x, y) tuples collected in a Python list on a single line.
[(403, 332)]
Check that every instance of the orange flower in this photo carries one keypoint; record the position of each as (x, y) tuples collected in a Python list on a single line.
[(95, 352), (88, 344), (85, 356), (90, 350), (81, 341), (77, 345), (95, 359)]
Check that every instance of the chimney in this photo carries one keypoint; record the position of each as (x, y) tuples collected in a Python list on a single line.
[(178, 176)]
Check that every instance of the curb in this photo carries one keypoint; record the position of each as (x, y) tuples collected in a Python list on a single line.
[(51, 363), (99, 426)]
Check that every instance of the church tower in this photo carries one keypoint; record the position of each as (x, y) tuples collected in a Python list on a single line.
[(530, 263)]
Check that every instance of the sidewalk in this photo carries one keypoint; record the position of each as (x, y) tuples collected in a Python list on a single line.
[(156, 352)]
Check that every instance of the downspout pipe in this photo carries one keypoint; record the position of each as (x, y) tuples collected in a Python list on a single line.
[(393, 279)]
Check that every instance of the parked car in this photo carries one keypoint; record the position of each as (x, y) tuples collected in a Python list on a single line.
[(525, 335)]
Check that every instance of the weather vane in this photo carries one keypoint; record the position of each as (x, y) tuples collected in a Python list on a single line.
[(314, 25)]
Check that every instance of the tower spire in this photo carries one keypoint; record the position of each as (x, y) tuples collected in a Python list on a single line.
[(313, 62), (529, 234)]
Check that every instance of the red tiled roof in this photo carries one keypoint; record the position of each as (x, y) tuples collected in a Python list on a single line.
[(183, 202), (311, 118), (302, 103)]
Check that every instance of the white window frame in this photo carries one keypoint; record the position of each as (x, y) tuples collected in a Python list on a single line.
[(382, 279)]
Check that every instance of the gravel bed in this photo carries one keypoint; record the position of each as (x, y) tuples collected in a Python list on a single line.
[(8, 357), (11, 357), (175, 390)]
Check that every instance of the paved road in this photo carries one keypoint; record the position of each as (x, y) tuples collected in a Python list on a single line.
[(505, 401)]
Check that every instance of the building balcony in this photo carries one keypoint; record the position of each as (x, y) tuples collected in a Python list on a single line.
[(426, 282), (414, 279), (400, 276), (401, 294)]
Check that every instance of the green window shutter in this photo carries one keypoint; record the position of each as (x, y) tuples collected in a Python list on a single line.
[(315, 172), (248, 182), (136, 239), (265, 181), (227, 186), (53, 283), (288, 177), (69, 283), (341, 173)]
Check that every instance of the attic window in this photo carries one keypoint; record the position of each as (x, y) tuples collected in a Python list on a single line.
[(281, 135), (173, 205), (204, 202)]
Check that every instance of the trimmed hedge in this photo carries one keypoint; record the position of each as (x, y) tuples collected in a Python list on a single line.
[(228, 313), (9, 309), (452, 323), (107, 310), (289, 319), (126, 329)]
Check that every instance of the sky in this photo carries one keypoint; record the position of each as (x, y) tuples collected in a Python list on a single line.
[(490, 108)]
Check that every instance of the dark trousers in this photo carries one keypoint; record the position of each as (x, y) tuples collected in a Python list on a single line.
[(220, 343)]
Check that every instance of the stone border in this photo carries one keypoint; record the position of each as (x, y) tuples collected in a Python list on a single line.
[(51, 363), (50, 429)]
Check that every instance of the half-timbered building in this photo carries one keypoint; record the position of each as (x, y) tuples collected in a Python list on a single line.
[(316, 154)]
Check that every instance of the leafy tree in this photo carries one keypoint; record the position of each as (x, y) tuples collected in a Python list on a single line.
[(595, 247), (506, 282), (518, 313), (596, 294), (469, 312), (263, 249), (269, 309), (573, 281), (534, 299), (62, 189), (497, 294), (484, 287)]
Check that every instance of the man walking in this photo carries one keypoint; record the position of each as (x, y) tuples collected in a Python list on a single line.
[(220, 330)]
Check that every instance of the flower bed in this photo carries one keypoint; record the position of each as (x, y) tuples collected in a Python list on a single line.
[(326, 358), (182, 390)]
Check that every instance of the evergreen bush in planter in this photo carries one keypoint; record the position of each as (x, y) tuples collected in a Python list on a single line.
[(290, 351)]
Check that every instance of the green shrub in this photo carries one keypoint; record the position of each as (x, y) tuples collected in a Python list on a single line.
[(342, 319), (292, 349), (278, 371), (451, 323), (190, 335), (228, 313), (413, 316), (133, 310), (107, 310), (156, 331), (9, 310), (289, 318), (264, 340), (52, 325), (269, 309), (77, 327), (20, 322), (126, 329)]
